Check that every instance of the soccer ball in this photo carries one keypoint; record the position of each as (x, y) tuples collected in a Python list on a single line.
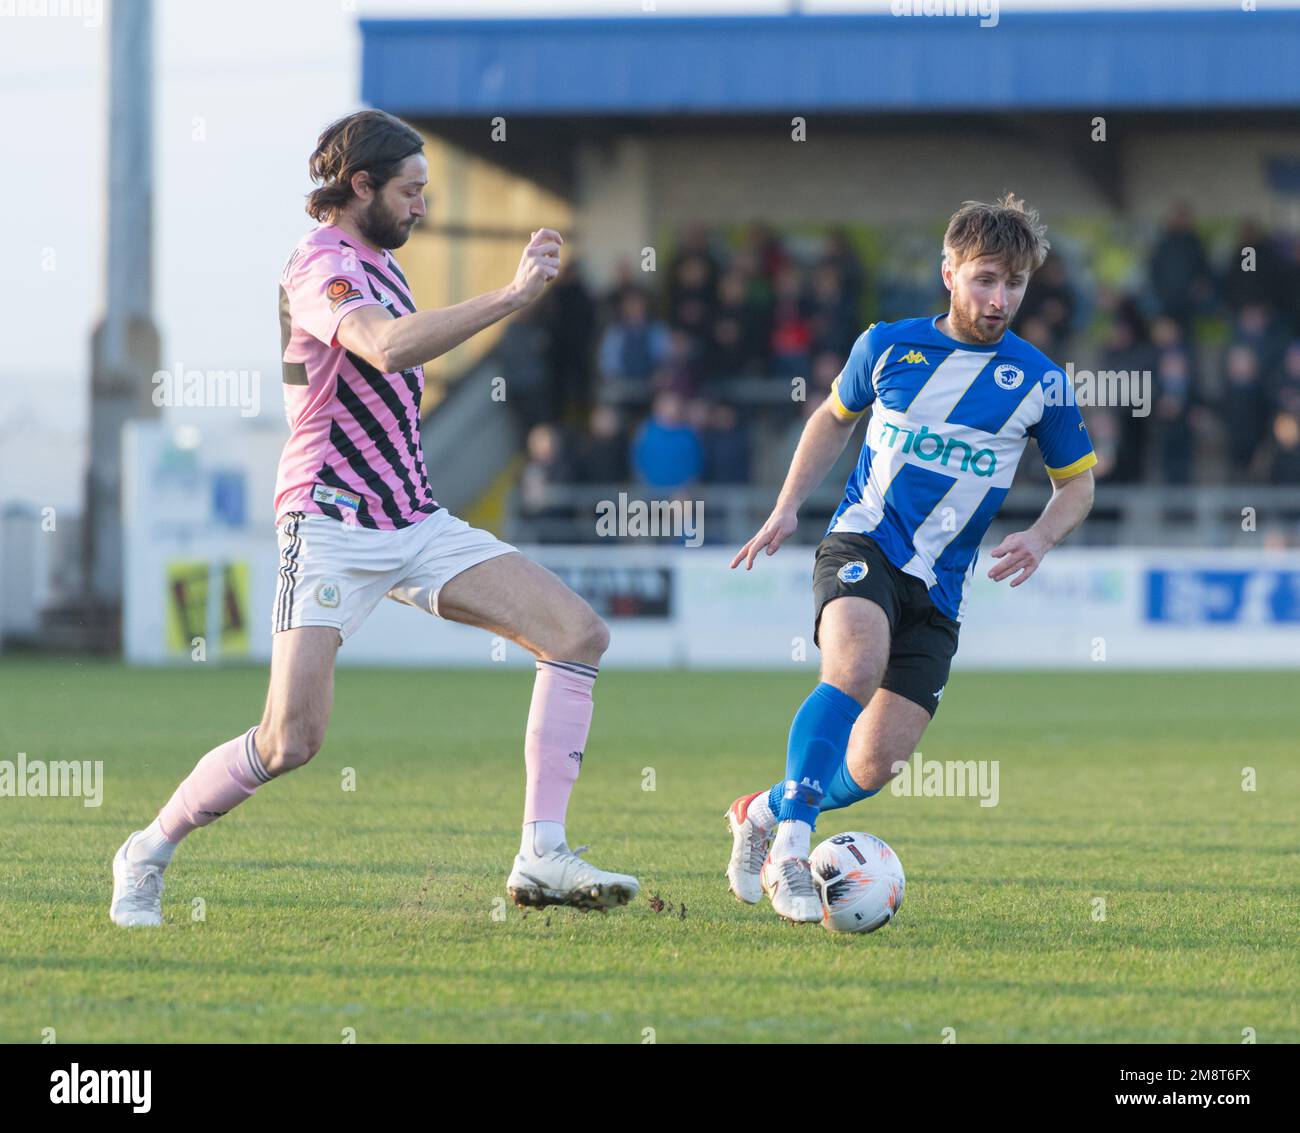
[(860, 880)]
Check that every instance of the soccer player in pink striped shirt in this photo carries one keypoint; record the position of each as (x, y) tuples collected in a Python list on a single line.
[(358, 522)]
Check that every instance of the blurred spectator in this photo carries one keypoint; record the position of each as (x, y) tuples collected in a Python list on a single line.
[(1051, 299), (853, 279), (1284, 465), (1172, 416), (603, 455), (666, 453), (548, 464), (679, 372), (726, 446), (570, 314), (1266, 284), (633, 347), (1180, 272), (739, 333), (1037, 332), (1127, 347), (1286, 389), (625, 279), (791, 331), (1256, 327), (765, 250), (692, 286), (520, 358), (1243, 407), (832, 322)]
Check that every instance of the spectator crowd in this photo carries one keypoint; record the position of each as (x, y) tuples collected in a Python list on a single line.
[(662, 384)]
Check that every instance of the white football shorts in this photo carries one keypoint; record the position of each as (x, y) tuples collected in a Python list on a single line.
[(334, 574)]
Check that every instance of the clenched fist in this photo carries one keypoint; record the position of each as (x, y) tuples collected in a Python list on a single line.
[(539, 264)]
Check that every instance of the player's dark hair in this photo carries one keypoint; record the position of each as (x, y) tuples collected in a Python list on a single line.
[(1007, 229), (369, 141)]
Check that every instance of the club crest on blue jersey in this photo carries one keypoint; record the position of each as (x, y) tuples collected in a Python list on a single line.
[(852, 572), (1008, 376)]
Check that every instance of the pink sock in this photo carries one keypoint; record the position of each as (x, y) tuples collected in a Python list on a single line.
[(220, 781), (558, 722)]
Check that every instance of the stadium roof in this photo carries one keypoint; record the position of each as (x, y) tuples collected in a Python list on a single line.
[(1100, 60)]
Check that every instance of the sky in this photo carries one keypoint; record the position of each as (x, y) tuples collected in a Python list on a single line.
[(242, 88)]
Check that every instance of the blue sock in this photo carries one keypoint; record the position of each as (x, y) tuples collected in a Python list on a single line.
[(843, 791), (819, 739)]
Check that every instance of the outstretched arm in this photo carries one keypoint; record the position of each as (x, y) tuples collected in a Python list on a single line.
[(1022, 551), (823, 439), (392, 345)]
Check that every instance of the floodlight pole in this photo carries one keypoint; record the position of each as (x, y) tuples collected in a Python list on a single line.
[(124, 348)]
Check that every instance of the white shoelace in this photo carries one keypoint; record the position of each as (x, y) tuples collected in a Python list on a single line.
[(148, 886)]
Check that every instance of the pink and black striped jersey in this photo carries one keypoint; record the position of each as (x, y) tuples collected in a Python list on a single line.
[(353, 451)]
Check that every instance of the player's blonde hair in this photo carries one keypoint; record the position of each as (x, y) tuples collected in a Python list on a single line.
[(369, 141), (1007, 229)]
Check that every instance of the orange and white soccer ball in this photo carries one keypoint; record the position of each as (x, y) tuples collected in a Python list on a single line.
[(861, 882)]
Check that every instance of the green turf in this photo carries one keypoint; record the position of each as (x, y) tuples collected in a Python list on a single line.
[(374, 909)]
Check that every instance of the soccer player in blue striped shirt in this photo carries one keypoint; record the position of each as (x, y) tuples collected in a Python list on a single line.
[(953, 400)]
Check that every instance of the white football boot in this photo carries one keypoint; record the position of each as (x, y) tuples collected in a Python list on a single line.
[(560, 877), (789, 885), (748, 851), (137, 890)]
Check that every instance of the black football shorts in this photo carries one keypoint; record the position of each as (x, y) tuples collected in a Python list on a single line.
[(923, 641)]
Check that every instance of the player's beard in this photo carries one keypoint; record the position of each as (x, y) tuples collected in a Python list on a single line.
[(972, 329), (379, 227)]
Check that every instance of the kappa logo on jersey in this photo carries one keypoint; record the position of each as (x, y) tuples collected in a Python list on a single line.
[(852, 572), (577, 756), (1008, 376), (339, 290), (327, 593), (915, 356)]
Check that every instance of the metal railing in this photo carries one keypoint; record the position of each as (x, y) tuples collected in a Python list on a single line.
[(1247, 516)]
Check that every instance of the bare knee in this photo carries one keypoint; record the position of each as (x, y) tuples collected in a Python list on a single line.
[(285, 748), (583, 638), (856, 677)]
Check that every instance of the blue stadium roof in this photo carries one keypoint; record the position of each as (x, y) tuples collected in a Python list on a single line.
[(797, 63)]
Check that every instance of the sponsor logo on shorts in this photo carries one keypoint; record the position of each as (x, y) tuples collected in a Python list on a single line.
[(325, 494), (327, 593), (339, 291), (853, 572)]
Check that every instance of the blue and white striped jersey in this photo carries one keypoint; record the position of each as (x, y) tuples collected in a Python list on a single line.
[(949, 421)]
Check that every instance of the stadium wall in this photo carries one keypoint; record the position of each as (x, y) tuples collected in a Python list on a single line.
[(202, 573)]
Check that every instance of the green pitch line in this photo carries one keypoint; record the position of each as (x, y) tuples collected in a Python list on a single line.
[(383, 909)]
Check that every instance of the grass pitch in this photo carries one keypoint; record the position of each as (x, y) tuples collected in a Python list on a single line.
[(312, 910)]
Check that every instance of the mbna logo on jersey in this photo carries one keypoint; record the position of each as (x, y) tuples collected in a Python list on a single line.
[(853, 572), (1008, 376)]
